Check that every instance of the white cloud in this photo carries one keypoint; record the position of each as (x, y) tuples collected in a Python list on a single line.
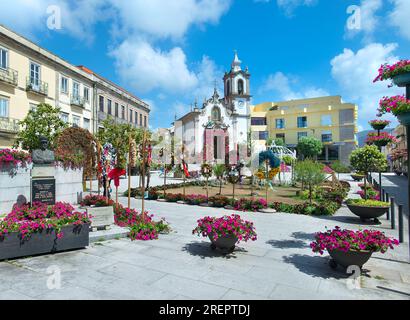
[(369, 21), (145, 68), (165, 19), (282, 88), (354, 72), (289, 6), (399, 17)]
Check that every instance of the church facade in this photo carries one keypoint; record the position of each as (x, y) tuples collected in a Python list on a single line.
[(218, 131)]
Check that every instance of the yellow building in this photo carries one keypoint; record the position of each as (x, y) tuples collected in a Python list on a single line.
[(328, 119), (31, 75)]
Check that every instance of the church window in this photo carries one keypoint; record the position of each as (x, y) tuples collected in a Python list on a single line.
[(240, 87), (216, 114), (228, 88)]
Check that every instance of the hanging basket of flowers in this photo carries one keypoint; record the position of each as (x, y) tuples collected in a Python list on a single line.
[(398, 72), (381, 140), (379, 124), (206, 170)]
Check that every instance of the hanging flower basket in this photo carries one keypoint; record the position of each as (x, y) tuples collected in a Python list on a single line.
[(398, 72), (379, 124), (381, 140)]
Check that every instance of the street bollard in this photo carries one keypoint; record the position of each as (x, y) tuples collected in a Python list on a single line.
[(383, 196), (392, 213), (401, 235), (388, 212)]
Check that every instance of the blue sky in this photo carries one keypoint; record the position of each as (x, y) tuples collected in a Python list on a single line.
[(169, 53)]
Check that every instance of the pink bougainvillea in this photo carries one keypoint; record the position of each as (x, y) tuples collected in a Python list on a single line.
[(348, 240)]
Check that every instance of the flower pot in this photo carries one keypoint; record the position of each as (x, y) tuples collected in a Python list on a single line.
[(404, 118), (402, 80), (379, 126), (357, 177), (366, 213), (381, 143), (349, 258), (226, 243), (45, 242)]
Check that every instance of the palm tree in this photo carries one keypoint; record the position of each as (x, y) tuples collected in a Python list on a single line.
[(219, 171)]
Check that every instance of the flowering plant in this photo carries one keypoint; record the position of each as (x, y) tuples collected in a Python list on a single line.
[(27, 220), (225, 226), (174, 197), (395, 105), (380, 140), (347, 240), (142, 226), (96, 201), (371, 194), (14, 158), (220, 201), (387, 71), (379, 124), (250, 205), (195, 199)]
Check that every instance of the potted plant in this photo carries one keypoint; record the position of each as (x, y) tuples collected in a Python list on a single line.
[(100, 209), (367, 159), (381, 140), (398, 72), (357, 176), (379, 124), (226, 231), (351, 248), (30, 230)]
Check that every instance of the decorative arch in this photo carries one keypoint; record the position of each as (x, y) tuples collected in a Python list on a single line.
[(241, 87), (77, 148)]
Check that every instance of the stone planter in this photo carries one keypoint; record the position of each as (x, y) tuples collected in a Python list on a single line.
[(225, 244), (402, 80), (45, 242), (101, 217), (350, 258), (366, 213), (357, 177)]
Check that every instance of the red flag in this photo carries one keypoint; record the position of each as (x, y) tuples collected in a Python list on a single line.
[(115, 175)]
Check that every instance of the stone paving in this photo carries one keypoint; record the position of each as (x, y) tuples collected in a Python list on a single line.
[(280, 265)]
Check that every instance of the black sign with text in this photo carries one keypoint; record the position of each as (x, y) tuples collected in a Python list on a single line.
[(43, 190)]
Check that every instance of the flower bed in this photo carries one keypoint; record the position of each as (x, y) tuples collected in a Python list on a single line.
[(39, 229), (142, 226), (195, 199), (169, 197), (250, 205), (225, 226), (96, 201), (347, 240)]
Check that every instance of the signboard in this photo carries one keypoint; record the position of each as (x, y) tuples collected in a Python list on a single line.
[(43, 190)]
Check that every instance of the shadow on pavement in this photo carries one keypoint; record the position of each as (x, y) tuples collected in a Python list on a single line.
[(288, 244), (203, 250), (315, 266)]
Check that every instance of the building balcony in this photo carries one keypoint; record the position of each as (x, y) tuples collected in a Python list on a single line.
[(37, 86), (9, 76), (8, 125), (77, 101)]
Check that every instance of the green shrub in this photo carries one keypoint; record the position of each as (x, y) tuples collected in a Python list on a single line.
[(288, 160), (338, 167), (368, 203)]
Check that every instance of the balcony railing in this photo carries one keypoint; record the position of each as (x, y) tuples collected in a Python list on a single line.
[(9, 76), (9, 125), (77, 101), (37, 86)]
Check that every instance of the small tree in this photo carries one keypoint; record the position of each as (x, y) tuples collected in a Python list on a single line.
[(219, 171), (368, 159), (310, 147), (43, 121), (309, 173)]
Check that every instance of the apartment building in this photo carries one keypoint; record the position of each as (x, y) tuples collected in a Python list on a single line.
[(30, 75), (117, 103), (328, 119)]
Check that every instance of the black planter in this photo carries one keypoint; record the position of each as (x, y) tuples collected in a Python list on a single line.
[(379, 126), (357, 177), (366, 213), (398, 173), (45, 242), (225, 244), (350, 258)]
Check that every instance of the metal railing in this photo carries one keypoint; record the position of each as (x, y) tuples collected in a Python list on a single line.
[(9, 125), (9, 75), (77, 101), (37, 86)]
